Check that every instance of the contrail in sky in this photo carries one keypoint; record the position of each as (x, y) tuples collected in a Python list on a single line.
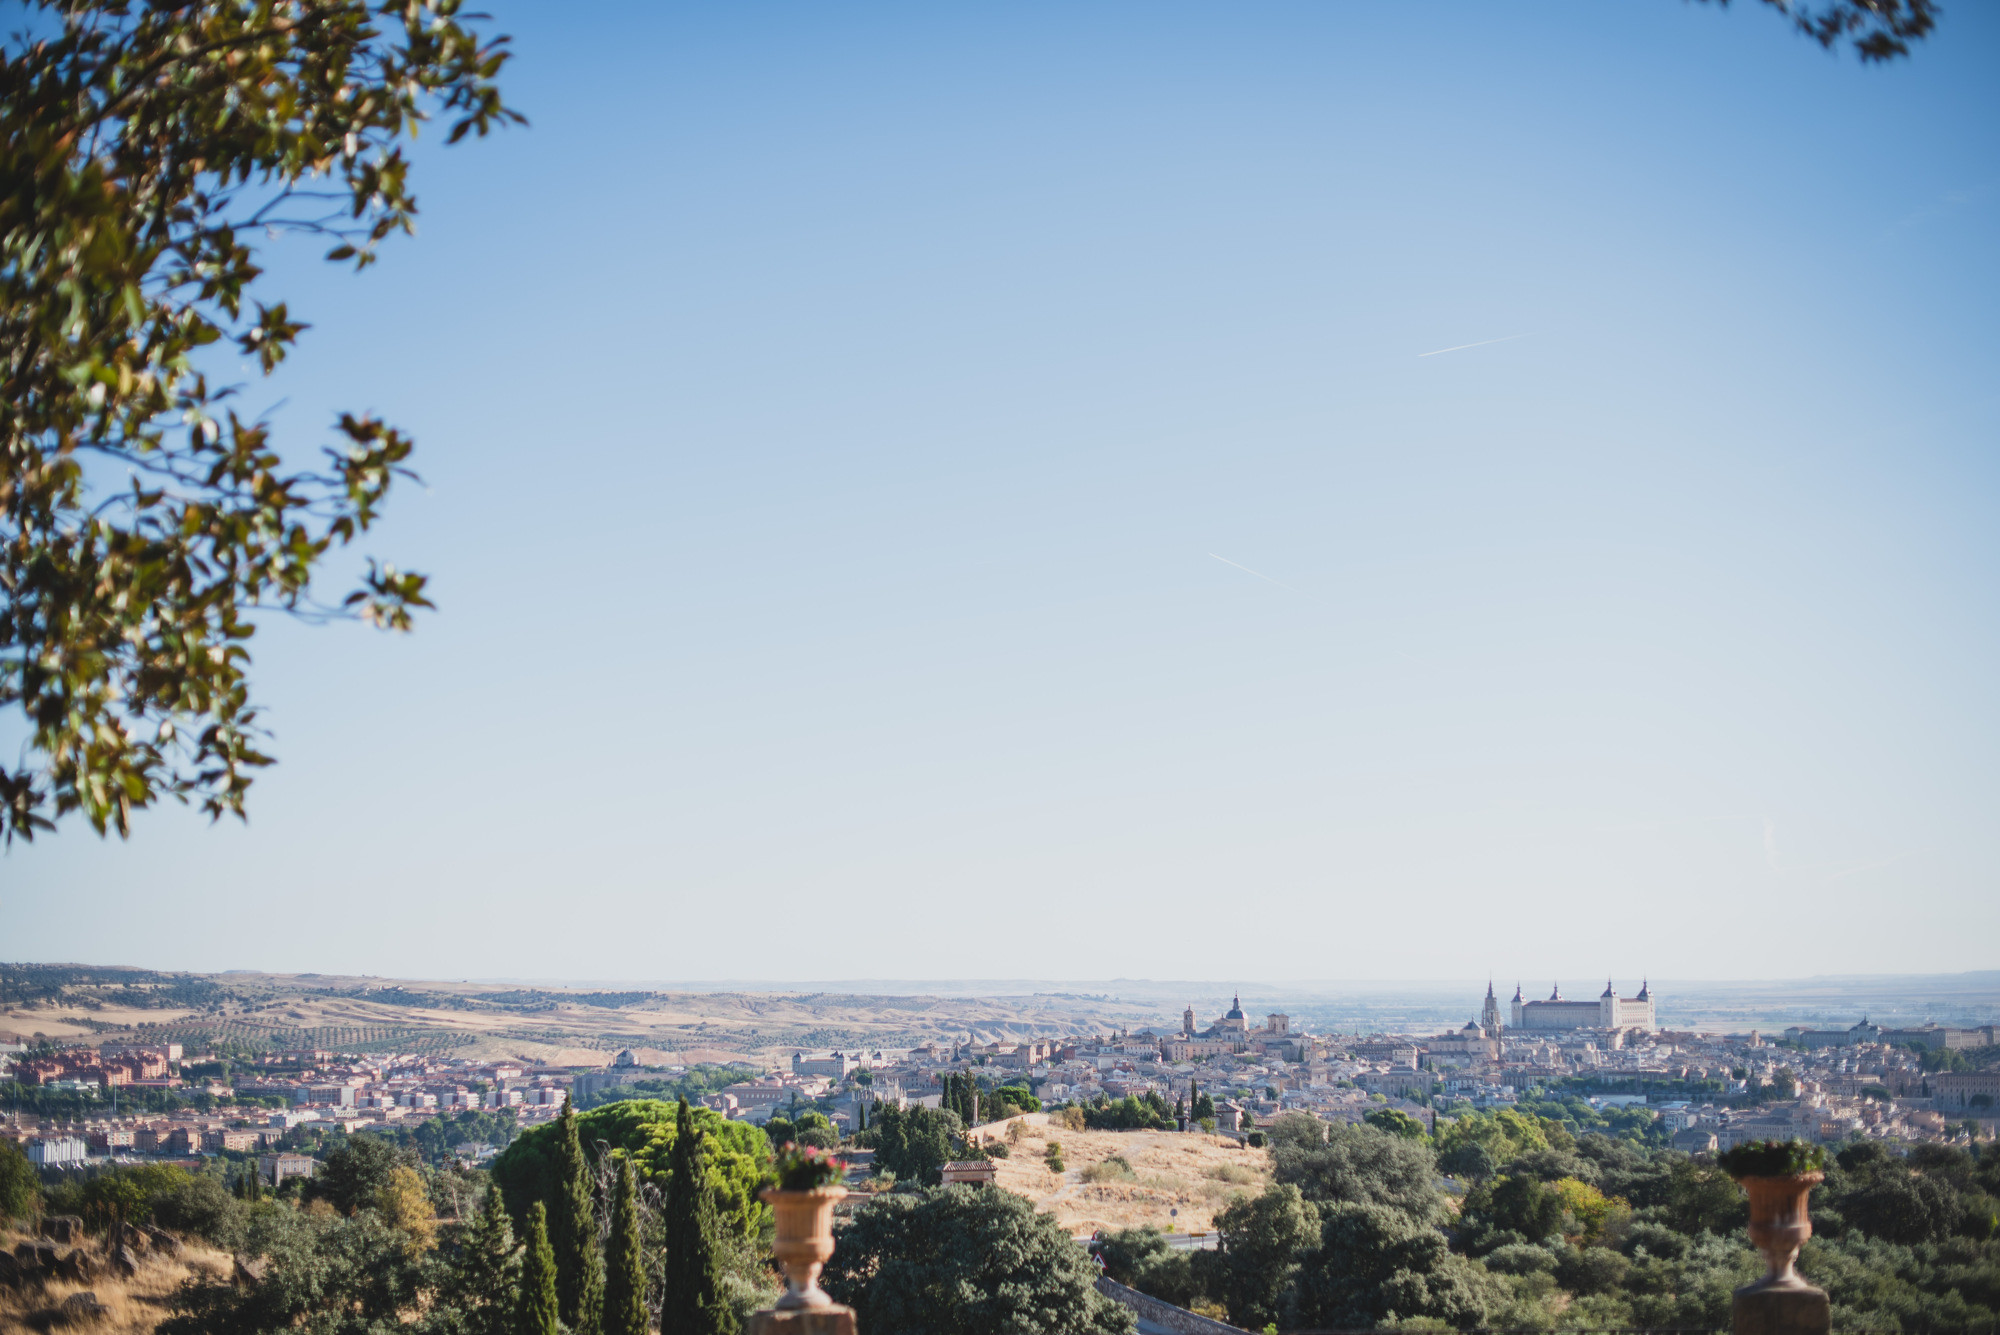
[(1870, 866), (1480, 344), (1259, 574)]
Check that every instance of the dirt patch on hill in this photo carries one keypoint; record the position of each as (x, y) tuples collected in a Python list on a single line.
[(1126, 1179)]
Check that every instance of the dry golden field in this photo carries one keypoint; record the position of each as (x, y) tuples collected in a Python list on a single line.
[(1192, 1173)]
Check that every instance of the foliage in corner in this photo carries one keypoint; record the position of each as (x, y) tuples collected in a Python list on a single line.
[(143, 519), (1880, 29)]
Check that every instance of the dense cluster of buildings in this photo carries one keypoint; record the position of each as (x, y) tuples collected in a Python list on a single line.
[(110, 1067), (261, 1106), (1709, 1090)]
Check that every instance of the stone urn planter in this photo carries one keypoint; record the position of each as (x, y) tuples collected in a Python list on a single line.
[(1778, 1176), (804, 1242), (1779, 1225)]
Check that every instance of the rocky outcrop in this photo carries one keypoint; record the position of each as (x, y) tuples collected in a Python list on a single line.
[(63, 1228), (78, 1267), (165, 1243), (82, 1307)]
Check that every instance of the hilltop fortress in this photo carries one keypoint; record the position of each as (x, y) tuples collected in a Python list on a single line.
[(1609, 1011)]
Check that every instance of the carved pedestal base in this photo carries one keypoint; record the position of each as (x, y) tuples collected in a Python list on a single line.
[(1762, 1309), (833, 1319)]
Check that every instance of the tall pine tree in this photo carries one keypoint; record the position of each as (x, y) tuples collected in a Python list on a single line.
[(693, 1302), (573, 1231), (624, 1271), (538, 1311)]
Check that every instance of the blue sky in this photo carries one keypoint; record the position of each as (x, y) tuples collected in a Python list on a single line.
[(832, 418)]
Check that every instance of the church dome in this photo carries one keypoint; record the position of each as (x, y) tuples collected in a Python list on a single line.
[(1235, 1008)]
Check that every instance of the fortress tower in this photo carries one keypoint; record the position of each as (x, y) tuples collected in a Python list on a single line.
[(1609, 1011)]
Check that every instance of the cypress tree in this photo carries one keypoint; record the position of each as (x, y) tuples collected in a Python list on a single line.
[(962, 1097), (493, 1235), (579, 1268), (624, 1272), (693, 1303), (538, 1309), (483, 1281)]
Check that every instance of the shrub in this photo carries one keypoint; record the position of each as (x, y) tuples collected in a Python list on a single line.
[(1143, 1259), (962, 1260), (1772, 1158), (1356, 1163), (125, 1193), (200, 1207), (19, 1185), (1117, 1168)]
